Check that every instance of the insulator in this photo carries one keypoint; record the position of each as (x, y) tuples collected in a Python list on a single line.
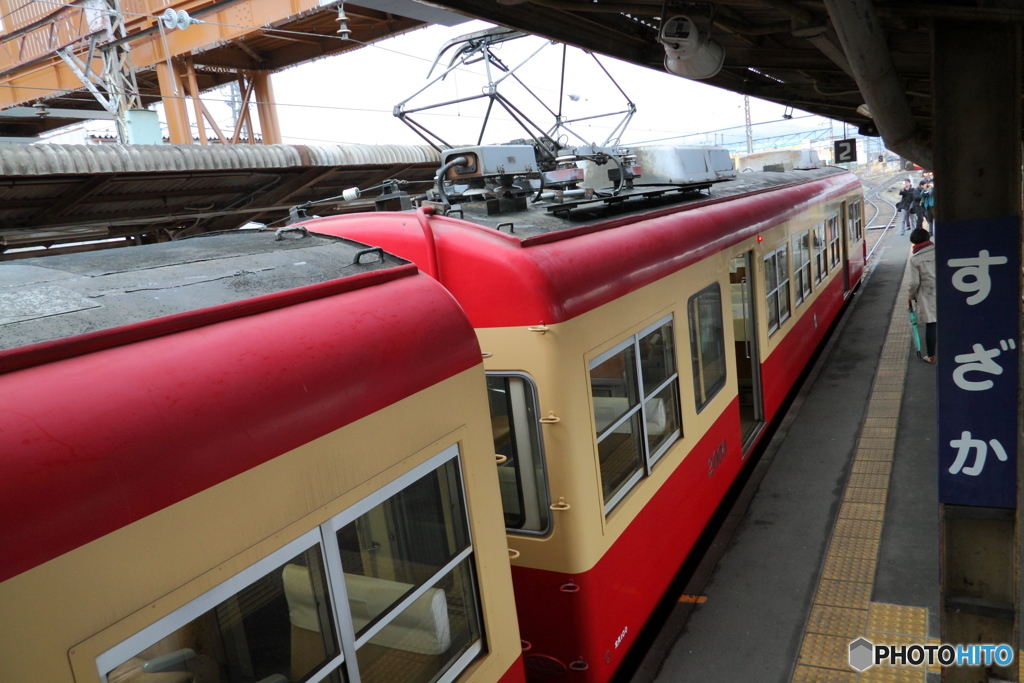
[(351, 194), (343, 29)]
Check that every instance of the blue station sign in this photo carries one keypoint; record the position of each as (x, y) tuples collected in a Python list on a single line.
[(978, 280)]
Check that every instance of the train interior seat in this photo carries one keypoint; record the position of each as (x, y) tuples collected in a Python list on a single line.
[(422, 628)]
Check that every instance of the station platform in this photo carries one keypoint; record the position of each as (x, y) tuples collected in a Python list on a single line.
[(835, 536)]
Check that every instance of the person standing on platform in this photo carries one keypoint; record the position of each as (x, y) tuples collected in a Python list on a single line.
[(922, 287), (905, 203), (928, 206), (923, 196)]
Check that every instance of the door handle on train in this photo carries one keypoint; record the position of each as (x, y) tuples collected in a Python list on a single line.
[(560, 505), (499, 458), (539, 328), (550, 419), (513, 554)]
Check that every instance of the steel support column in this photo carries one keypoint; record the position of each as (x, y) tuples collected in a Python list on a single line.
[(172, 92), (266, 108), (976, 72)]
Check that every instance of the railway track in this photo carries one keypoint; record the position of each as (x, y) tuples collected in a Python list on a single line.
[(885, 211)]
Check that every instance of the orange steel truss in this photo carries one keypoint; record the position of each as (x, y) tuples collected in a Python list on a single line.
[(33, 30)]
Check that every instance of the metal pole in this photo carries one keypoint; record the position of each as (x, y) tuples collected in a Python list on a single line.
[(750, 132), (976, 72), (178, 129), (266, 107)]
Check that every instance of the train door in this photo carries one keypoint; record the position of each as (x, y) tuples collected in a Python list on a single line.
[(844, 227), (748, 366)]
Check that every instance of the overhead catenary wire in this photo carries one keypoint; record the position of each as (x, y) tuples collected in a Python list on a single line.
[(271, 31), (382, 111)]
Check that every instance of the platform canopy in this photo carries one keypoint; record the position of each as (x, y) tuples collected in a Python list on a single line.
[(68, 194), (828, 57)]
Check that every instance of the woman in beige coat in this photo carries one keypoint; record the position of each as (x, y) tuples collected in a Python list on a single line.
[(922, 287)]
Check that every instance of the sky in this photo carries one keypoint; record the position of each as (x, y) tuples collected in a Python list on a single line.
[(349, 98)]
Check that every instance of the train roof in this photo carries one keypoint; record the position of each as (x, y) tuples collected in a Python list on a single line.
[(551, 271), (578, 214), (53, 297)]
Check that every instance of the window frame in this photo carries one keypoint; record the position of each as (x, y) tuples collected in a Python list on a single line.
[(694, 332), (336, 573), (800, 294), (201, 604), (820, 252), (325, 536), (773, 257), (649, 459), (835, 257), (855, 212), (545, 499)]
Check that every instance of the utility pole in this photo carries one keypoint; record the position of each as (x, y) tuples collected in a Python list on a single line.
[(750, 131)]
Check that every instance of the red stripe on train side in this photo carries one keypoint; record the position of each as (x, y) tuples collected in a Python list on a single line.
[(516, 673), (501, 282), (782, 368), (599, 622), (98, 441)]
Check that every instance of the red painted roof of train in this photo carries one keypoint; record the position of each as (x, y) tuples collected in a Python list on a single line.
[(99, 440), (502, 281)]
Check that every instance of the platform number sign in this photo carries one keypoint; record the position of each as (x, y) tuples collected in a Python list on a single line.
[(977, 277), (845, 151)]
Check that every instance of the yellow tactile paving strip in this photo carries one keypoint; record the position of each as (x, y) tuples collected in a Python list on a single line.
[(842, 610)]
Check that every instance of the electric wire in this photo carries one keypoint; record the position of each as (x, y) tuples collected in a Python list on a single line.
[(272, 31)]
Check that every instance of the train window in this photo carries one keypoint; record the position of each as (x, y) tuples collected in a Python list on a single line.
[(438, 631), (707, 344), (820, 253), (856, 223), (659, 378), (406, 607), (833, 241), (802, 267), (272, 622), (408, 577), (776, 275), (401, 543), (613, 383), (635, 393), (514, 426)]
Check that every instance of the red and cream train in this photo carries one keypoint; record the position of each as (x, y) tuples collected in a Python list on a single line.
[(246, 457), (275, 463), (632, 362)]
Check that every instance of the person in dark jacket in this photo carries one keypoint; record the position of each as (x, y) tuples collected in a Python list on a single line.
[(907, 196), (928, 205), (922, 203)]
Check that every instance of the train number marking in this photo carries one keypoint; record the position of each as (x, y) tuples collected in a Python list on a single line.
[(622, 636), (716, 458)]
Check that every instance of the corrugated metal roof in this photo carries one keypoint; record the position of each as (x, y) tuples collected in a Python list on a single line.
[(36, 160)]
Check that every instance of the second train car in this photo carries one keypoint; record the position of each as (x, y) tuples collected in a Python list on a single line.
[(636, 347)]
